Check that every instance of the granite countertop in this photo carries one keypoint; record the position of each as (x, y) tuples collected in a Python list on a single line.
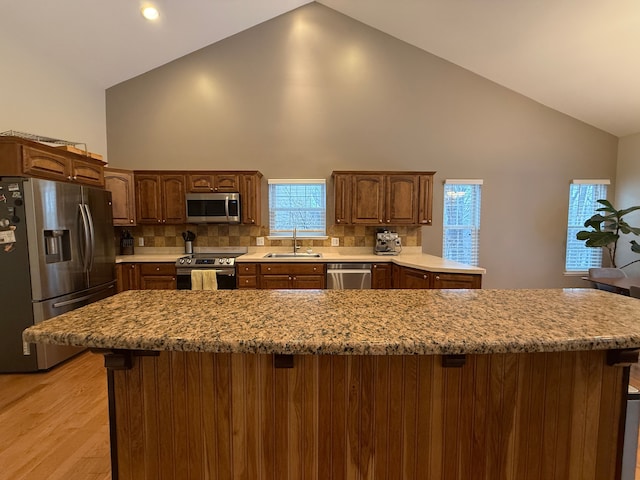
[(410, 257), (370, 322)]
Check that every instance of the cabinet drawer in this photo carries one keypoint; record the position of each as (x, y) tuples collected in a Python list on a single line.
[(247, 281), (157, 269), (291, 268), (246, 268)]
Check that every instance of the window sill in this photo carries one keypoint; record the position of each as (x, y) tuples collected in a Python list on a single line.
[(298, 237)]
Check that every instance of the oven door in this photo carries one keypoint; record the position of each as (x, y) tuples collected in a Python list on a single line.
[(226, 279)]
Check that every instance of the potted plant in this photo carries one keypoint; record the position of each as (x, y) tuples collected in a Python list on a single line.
[(607, 227)]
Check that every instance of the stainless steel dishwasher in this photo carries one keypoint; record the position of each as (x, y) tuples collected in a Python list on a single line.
[(344, 276)]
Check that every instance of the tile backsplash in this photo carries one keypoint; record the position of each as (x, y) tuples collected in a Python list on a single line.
[(245, 236)]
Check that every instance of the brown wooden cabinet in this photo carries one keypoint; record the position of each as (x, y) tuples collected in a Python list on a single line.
[(247, 275), (383, 198), (202, 182), (22, 157), (250, 198), (157, 276), (128, 276), (160, 198), (381, 275), (121, 185), (406, 277), (292, 275)]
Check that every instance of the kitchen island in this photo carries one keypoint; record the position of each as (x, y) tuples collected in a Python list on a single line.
[(437, 384)]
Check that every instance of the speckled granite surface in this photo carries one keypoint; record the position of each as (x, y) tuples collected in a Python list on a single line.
[(351, 321)]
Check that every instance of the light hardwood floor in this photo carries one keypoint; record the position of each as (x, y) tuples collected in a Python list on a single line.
[(54, 425)]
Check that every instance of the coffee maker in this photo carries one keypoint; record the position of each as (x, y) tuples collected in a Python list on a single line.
[(387, 243)]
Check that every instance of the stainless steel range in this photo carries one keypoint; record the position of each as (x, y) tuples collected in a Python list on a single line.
[(222, 260)]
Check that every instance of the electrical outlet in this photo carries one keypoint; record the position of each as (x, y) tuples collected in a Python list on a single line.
[(141, 241), (335, 242), (259, 241)]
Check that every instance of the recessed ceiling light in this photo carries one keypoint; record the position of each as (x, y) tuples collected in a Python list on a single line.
[(150, 13)]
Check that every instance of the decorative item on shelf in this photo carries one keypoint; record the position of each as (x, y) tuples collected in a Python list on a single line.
[(126, 243), (188, 237), (607, 227)]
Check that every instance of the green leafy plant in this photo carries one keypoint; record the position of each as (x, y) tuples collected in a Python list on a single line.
[(607, 227)]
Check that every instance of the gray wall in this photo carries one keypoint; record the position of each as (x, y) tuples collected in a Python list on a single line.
[(314, 91), (628, 195)]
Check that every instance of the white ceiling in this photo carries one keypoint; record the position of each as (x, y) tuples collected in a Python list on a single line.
[(581, 57)]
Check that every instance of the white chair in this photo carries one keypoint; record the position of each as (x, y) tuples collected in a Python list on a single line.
[(595, 273), (634, 291)]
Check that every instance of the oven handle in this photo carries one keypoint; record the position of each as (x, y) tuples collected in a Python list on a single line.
[(187, 271)]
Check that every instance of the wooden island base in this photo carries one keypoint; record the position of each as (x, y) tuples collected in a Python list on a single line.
[(495, 417)]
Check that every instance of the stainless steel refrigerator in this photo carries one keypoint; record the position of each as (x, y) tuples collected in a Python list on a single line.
[(57, 253)]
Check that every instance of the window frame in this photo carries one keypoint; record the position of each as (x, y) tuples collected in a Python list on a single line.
[(572, 228), (475, 227), (301, 232)]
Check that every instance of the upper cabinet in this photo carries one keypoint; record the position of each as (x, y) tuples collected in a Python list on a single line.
[(121, 185), (203, 182), (160, 198), (250, 196), (383, 198), (22, 157)]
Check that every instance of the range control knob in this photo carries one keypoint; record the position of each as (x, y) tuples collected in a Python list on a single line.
[(181, 261), (228, 261), (188, 260)]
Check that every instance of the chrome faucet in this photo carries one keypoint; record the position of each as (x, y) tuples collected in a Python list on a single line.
[(295, 240)]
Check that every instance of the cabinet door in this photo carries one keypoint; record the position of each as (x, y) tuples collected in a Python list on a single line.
[(120, 184), (158, 282), (367, 199), (401, 206), (308, 281), (381, 275), (128, 276), (40, 163), (226, 182), (425, 205), (342, 199), (414, 278), (148, 198), (250, 193), (200, 183), (277, 282), (87, 172), (456, 280), (173, 199)]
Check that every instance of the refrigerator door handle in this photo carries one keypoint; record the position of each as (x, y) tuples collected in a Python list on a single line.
[(85, 245), (79, 299), (92, 237)]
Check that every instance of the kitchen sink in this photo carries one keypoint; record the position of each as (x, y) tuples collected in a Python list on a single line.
[(293, 255)]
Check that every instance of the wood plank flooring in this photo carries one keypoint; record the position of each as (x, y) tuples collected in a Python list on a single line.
[(54, 425)]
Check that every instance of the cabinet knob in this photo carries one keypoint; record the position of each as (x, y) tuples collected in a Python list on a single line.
[(131, 220), (437, 277), (269, 269), (75, 177), (294, 278), (375, 266), (425, 276), (69, 177), (159, 221), (290, 278), (315, 269), (253, 221), (380, 220), (338, 220), (388, 221), (157, 269)]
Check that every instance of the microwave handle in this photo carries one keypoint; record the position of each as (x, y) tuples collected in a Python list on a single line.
[(226, 206)]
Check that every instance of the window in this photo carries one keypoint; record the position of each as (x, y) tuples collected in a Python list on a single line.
[(300, 204), (461, 236), (583, 197)]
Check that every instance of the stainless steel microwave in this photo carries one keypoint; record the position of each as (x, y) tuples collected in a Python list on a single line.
[(213, 207)]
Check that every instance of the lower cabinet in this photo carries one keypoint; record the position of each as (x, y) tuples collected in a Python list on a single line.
[(281, 275), (381, 275), (406, 277), (128, 276), (146, 276)]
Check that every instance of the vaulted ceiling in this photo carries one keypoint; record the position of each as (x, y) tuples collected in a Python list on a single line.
[(580, 57)]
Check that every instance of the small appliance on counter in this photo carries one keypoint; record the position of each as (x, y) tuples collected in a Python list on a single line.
[(387, 243), (188, 237)]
